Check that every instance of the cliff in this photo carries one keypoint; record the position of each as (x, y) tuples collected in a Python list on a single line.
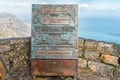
[(12, 26)]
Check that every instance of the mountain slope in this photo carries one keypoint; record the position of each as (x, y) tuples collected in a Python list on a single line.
[(12, 26)]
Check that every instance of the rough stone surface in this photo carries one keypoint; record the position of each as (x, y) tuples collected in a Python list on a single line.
[(90, 44), (80, 52), (82, 63), (87, 75), (53, 78), (15, 57), (109, 59), (12, 26), (21, 74), (92, 55), (101, 68), (105, 48), (84, 70), (117, 48), (102, 64), (69, 78), (4, 48), (97, 77), (80, 43), (117, 73)]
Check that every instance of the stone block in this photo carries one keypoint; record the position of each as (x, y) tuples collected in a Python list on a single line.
[(19, 40), (90, 44), (69, 78), (83, 70), (80, 52), (58, 78), (80, 43), (4, 42), (97, 77), (82, 63), (39, 78), (4, 48), (117, 48), (109, 59), (105, 48), (88, 75), (117, 73), (103, 69), (92, 55)]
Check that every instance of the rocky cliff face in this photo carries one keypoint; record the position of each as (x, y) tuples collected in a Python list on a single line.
[(12, 26)]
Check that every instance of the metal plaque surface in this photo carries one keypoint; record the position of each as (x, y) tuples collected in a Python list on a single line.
[(54, 67), (54, 31)]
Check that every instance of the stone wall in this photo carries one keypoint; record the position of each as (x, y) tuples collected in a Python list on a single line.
[(96, 60), (100, 60), (15, 54)]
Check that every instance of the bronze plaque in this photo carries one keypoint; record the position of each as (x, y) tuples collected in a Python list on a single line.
[(54, 67), (50, 10), (54, 40), (55, 20), (54, 31)]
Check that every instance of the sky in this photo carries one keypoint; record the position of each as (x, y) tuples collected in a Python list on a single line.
[(97, 19)]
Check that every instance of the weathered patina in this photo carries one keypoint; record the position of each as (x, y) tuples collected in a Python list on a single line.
[(54, 31), (54, 37)]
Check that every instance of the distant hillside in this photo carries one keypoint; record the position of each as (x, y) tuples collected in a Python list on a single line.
[(12, 26)]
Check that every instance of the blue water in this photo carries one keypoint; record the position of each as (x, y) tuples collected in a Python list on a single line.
[(105, 28)]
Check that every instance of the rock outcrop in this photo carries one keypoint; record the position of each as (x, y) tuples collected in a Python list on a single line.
[(12, 26)]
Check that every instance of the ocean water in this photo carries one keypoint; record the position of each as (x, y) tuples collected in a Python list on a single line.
[(103, 28)]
